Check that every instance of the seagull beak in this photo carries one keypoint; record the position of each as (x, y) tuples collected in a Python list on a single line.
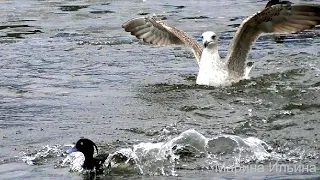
[(205, 44), (71, 150)]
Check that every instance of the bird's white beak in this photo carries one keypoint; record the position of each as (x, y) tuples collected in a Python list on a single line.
[(71, 150)]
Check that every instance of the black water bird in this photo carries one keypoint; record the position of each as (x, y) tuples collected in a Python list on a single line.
[(86, 146)]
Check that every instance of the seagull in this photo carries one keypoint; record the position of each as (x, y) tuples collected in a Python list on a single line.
[(277, 17)]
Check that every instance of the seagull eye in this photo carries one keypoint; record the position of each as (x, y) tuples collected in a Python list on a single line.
[(201, 37), (213, 36)]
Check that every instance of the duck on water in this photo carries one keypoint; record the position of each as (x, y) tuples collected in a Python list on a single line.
[(87, 147)]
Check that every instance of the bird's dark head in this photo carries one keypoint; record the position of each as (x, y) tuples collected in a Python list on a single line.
[(86, 146)]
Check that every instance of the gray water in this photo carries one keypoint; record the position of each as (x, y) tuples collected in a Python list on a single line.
[(68, 70)]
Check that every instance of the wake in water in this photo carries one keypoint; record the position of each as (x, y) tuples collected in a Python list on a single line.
[(165, 158)]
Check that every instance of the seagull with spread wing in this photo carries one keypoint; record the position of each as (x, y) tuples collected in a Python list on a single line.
[(276, 17)]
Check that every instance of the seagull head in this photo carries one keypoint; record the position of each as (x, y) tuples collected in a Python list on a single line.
[(209, 39)]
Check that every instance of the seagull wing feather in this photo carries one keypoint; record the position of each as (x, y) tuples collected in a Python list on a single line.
[(276, 18), (159, 33)]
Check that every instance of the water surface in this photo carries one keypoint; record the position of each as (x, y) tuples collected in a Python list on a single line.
[(68, 70)]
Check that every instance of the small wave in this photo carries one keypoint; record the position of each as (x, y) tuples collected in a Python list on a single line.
[(300, 106), (109, 41), (73, 7), (196, 17)]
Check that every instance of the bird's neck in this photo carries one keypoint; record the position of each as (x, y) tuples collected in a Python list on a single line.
[(210, 57), (212, 69), (88, 162)]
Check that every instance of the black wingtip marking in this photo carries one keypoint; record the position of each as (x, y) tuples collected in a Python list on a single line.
[(274, 2)]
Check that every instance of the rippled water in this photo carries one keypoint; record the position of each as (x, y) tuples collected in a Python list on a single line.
[(68, 70)]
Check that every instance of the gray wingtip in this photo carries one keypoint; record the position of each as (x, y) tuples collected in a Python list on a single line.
[(133, 21)]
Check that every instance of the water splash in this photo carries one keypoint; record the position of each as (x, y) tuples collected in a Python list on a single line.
[(42, 155), (189, 150), (162, 158), (75, 161)]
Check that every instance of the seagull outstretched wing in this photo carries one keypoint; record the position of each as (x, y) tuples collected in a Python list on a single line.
[(159, 33), (276, 17)]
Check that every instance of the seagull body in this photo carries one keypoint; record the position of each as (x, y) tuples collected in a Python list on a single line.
[(212, 71), (276, 17)]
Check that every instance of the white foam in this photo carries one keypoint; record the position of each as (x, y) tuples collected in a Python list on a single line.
[(46, 152), (75, 161), (162, 158)]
